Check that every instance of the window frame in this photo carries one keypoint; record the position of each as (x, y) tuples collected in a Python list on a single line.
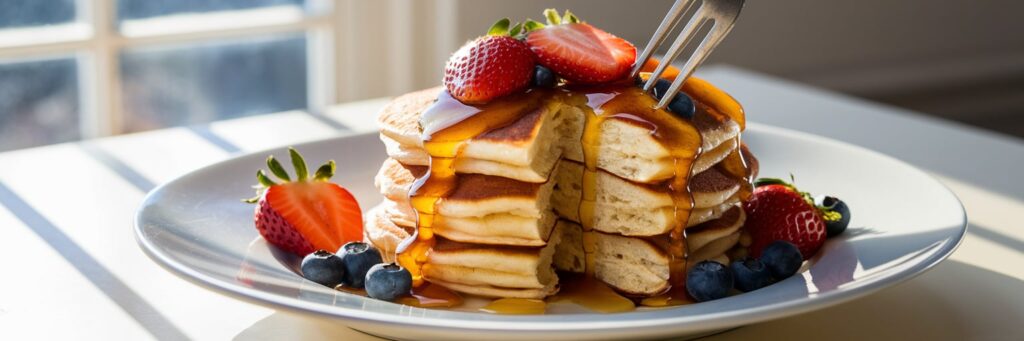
[(95, 41)]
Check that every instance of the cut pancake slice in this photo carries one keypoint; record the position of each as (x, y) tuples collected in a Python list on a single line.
[(486, 270), (524, 150), (633, 209), (640, 266), (482, 208), (527, 149)]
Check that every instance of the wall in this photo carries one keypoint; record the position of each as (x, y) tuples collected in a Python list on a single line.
[(960, 59)]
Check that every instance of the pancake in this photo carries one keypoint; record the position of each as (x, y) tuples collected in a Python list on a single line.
[(637, 266), (640, 266), (512, 218), (527, 149), (481, 206), (486, 270)]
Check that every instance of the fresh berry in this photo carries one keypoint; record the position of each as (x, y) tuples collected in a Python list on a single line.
[(751, 274), (323, 267), (579, 52), (489, 67), (544, 78), (388, 281), (836, 214), (782, 259), (307, 213), (682, 105), (778, 211), (358, 258), (709, 280)]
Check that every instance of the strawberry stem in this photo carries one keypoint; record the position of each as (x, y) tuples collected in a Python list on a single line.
[(326, 171), (570, 18), (277, 169), (301, 173), (516, 30), (531, 25), (500, 28), (553, 18), (263, 179)]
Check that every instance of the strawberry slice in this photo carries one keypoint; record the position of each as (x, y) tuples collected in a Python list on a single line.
[(306, 214), (580, 52), (778, 211)]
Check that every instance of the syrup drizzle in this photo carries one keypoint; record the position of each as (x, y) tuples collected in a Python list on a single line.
[(449, 124)]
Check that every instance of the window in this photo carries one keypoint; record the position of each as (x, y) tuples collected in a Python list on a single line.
[(73, 69)]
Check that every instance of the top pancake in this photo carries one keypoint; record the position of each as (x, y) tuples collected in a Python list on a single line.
[(528, 149)]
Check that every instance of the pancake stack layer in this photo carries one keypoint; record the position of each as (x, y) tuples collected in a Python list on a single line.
[(513, 216)]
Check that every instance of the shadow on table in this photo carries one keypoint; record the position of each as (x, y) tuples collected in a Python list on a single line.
[(954, 301)]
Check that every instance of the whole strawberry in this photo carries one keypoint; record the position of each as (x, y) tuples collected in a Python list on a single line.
[(779, 211), (489, 67)]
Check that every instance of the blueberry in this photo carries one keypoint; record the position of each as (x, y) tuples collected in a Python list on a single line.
[(323, 267), (709, 281), (682, 105), (388, 281), (660, 88), (751, 274), (543, 77), (358, 258), (836, 214), (782, 259)]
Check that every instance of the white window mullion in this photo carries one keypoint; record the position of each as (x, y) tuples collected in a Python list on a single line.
[(320, 61), (99, 72)]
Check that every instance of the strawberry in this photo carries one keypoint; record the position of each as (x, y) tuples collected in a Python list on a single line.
[(778, 211), (489, 67), (306, 214), (579, 52)]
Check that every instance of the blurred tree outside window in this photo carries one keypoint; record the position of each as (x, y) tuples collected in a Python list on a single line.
[(161, 79)]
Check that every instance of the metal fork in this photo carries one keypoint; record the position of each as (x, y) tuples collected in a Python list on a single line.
[(720, 14)]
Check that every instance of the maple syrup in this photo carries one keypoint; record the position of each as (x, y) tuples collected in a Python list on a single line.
[(448, 124), (515, 306), (431, 296)]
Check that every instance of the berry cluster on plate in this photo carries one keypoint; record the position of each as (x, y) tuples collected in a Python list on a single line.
[(786, 227)]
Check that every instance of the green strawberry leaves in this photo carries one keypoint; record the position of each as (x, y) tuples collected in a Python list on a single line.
[(323, 173), (827, 212), (504, 27)]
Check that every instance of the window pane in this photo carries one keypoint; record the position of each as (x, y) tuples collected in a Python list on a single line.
[(17, 13), (139, 9), (189, 84), (38, 103)]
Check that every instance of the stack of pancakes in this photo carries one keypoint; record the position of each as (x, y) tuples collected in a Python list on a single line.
[(513, 217)]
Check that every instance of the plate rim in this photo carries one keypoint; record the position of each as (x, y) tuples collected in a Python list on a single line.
[(667, 324)]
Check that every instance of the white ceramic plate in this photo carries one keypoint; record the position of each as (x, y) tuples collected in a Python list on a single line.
[(904, 222)]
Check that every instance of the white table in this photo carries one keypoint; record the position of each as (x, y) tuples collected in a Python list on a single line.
[(73, 269)]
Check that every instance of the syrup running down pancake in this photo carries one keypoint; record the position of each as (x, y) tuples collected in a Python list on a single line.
[(491, 200)]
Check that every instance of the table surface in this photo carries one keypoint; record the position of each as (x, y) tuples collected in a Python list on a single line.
[(68, 208)]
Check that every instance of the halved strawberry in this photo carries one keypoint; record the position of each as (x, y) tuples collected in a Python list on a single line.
[(306, 214), (580, 52), (489, 67), (779, 211)]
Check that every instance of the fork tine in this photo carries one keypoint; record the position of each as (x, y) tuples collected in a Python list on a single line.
[(670, 20), (722, 15), (677, 46)]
